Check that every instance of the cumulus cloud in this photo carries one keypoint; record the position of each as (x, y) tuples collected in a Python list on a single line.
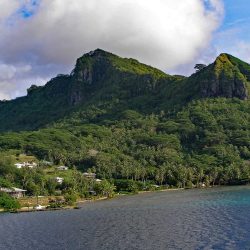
[(163, 33), (8, 72), (11, 78)]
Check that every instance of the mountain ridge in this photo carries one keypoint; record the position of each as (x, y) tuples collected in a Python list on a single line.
[(104, 79)]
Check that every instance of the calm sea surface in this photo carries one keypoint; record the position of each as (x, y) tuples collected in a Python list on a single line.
[(216, 218)]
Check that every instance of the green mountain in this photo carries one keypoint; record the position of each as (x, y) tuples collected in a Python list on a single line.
[(127, 120), (106, 80), (98, 78), (227, 77)]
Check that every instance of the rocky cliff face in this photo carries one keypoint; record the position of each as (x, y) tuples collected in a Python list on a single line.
[(221, 87), (226, 77), (105, 73), (89, 70)]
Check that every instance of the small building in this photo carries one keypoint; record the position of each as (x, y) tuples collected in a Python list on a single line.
[(31, 165), (89, 175), (26, 164), (98, 180), (19, 165), (59, 180), (62, 168), (14, 192)]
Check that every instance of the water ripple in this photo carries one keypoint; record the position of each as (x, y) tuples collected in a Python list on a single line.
[(217, 218)]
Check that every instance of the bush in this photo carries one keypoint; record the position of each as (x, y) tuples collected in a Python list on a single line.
[(58, 202), (5, 183), (8, 203), (128, 186), (105, 188), (70, 198)]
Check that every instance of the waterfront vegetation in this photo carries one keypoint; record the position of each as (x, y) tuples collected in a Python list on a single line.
[(7, 203)]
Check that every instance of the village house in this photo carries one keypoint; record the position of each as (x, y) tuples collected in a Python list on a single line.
[(59, 180), (26, 164), (98, 180), (62, 168), (89, 175), (19, 165), (14, 192)]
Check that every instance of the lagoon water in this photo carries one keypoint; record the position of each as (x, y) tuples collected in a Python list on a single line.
[(217, 218)]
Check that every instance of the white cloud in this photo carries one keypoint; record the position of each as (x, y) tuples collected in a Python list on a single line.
[(163, 33), (8, 7), (233, 41), (10, 78), (3, 95), (238, 48), (7, 72)]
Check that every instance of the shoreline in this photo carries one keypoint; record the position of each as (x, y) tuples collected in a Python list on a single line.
[(78, 203)]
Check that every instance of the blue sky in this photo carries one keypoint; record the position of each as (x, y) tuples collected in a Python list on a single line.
[(236, 12), (28, 10), (235, 26), (43, 38)]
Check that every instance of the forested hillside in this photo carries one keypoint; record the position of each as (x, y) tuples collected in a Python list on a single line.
[(128, 121)]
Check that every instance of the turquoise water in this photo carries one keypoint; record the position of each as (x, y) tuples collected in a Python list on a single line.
[(217, 218)]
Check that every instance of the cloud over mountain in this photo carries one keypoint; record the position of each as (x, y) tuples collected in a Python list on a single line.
[(51, 34)]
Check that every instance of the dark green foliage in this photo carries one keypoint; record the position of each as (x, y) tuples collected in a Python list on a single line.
[(70, 198), (125, 120), (8, 203), (130, 186), (5, 183), (105, 188)]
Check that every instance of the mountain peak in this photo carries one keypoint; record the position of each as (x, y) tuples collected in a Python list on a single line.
[(227, 77), (223, 58), (97, 52), (104, 61)]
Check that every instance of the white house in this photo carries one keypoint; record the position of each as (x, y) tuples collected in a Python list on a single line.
[(19, 165), (89, 175), (59, 180), (31, 165), (98, 180), (26, 164), (14, 192), (62, 168)]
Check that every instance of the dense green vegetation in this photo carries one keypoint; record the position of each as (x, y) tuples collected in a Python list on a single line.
[(207, 141), (42, 180), (133, 126), (8, 203)]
